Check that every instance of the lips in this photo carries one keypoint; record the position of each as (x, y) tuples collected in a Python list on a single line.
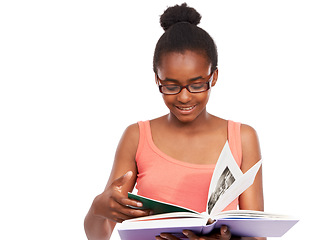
[(185, 108)]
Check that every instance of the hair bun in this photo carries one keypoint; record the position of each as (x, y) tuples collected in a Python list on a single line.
[(177, 14)]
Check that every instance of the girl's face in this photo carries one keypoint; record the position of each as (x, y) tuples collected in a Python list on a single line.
[(183, 69)]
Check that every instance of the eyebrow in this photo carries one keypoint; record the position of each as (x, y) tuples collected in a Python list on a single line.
[(174, 80)]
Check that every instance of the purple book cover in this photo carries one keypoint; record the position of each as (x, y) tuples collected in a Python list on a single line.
[(238, 227)]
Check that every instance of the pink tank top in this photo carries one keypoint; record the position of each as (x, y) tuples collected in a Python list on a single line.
[(166, 179)]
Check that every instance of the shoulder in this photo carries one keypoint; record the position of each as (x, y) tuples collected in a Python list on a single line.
[(127, 148), (248, 134), (250, 146), (132, 129), (131, 134)]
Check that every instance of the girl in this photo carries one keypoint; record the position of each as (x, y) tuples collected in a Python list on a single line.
[(172, 158)]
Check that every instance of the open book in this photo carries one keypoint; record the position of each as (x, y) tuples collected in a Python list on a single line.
[(227, 183)]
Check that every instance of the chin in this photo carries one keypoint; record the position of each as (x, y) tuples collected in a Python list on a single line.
[(185, 119)]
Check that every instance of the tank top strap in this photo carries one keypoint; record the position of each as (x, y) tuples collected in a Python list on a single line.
[(234, 139), (144, 130)]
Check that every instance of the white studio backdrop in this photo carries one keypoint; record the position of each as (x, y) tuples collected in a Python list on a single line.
[(75, 74)]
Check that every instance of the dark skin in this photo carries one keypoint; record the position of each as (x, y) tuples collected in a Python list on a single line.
[(189, 128)]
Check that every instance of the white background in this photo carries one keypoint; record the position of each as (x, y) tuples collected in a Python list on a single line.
[(75, 74)]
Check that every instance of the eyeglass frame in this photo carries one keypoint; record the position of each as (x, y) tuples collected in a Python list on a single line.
[(186, 86)]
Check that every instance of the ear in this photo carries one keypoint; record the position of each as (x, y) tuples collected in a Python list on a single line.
[(215, 77), (156, 79)]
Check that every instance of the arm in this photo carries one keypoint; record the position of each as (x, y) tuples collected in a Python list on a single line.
[(111, 206), (252, 198)]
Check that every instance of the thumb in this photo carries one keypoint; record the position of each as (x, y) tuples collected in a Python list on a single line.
[(119, 182)]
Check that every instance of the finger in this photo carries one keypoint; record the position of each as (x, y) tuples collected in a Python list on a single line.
[(159, 238), (130, 202), (168, 236), (191, 235), (119, 213), (225, 233), (115, 213), (119, 196), (119, 182), (127, 211), (124, 200), (119, 217), (133, 213)]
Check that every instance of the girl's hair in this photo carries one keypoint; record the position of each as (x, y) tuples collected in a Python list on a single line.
[(181, 34)]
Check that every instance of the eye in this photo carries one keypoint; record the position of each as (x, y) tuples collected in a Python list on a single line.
[(171, 87), (198, 86)]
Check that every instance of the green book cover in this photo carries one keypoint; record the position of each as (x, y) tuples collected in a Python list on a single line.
[(158, 207)]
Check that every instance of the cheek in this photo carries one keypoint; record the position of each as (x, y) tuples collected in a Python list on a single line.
[(205, 97), (168, 98)]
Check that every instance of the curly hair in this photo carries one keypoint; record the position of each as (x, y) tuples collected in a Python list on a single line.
[(182, 33)]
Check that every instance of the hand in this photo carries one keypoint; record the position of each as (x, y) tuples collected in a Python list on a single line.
[(223, 234), (114, 204)]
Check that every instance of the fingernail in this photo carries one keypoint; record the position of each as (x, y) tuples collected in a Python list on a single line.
[(185, 232), (139, 204)]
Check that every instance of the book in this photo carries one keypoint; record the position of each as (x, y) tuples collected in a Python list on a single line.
[(244, 223), (227, 183)]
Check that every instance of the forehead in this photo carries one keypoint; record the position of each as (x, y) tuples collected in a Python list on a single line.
[(186, 64)]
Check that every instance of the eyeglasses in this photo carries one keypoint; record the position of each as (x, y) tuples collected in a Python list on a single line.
[(173, 89)]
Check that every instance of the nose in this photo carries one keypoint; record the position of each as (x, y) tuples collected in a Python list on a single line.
[(184, 96)]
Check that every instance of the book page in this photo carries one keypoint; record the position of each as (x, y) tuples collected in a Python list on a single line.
[(251, 214), (228, 181), (225, 174), (238, 187)]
